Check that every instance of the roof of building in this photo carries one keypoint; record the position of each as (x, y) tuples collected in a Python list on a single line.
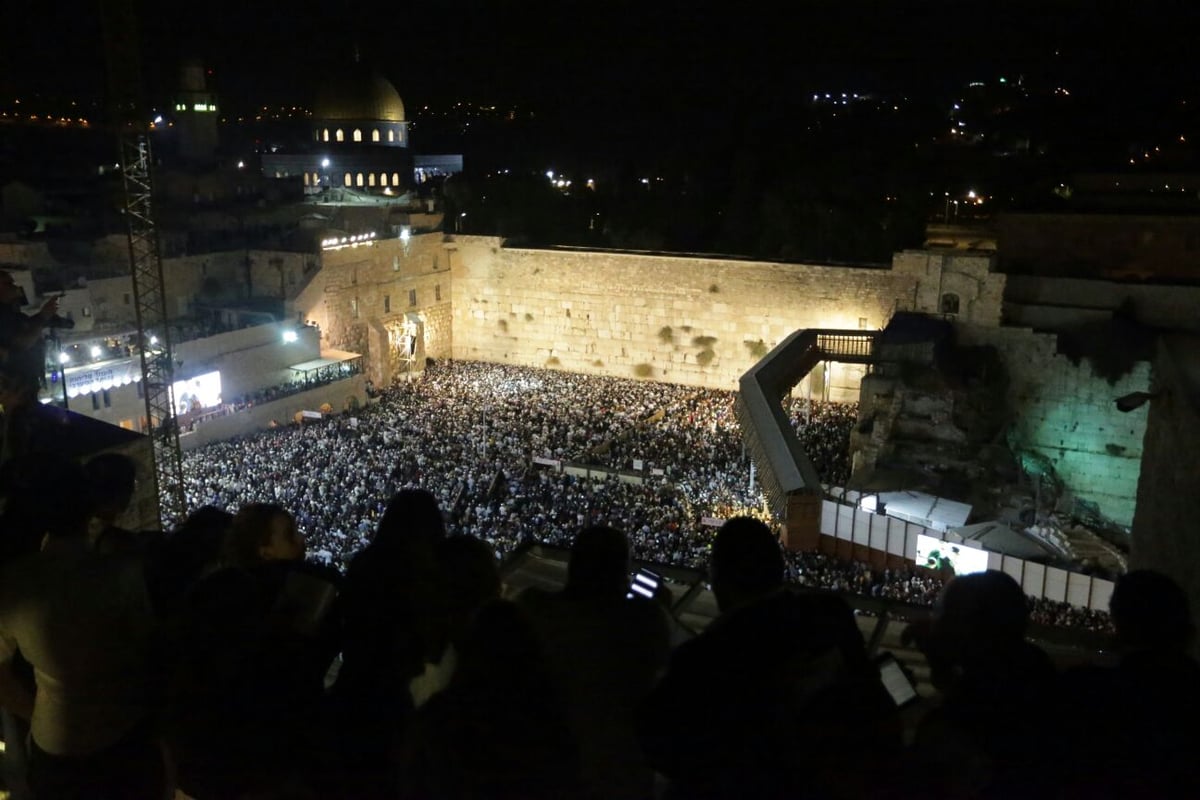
[(358, 93)]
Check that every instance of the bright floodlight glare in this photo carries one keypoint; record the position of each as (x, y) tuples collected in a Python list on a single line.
[(405, 234), (153, 340), (290, 336), (63, 358), (95, 351), (324, 162), (869, 503)]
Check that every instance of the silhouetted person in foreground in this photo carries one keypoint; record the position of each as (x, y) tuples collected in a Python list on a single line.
[(113, 479), (605, 650), (84, 623), (498, 731), (394, 625), (776, 698), (253, 643), (988, 737), (1132, 729), (22, 344)]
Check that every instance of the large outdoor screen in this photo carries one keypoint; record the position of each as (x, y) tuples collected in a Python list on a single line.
[(198, 393), (935, 554)]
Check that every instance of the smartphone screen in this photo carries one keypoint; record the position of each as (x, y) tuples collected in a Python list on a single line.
[(645, 583), (896, 681)]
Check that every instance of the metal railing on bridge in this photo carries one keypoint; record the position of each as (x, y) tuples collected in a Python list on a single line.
[(784, 469)]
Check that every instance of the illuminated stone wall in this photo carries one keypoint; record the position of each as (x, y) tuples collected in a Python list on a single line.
[(697, 321), (376, 284), (1065, 413)]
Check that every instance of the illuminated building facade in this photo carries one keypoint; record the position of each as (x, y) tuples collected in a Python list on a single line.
[(359, 138), (195, 114)]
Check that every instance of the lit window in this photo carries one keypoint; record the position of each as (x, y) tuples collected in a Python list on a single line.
[(325, 135), (383, 179), (370, 179), (357, 135), (339, 136), (316, 179), (349, 181), (375, 135), (395, 179), (358, 180), (412, 297), (391, 136), (949, 303), (306, 179)]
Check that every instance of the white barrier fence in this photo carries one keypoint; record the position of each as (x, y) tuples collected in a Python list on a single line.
[(847, 522)]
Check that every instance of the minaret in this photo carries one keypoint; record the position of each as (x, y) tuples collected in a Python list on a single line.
[(195, 114)]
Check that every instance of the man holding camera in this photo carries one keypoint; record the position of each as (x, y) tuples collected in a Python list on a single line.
[(22, 343)]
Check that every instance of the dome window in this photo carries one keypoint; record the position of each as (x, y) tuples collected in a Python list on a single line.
[(357, 135), (375, 135), (391, 136), (949, 303), (339, 135), (395, 179), (325, 135), (370, 179), (358, 180), (349, 180)]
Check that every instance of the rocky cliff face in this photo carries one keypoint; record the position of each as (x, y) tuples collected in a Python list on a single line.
[(935, 420)]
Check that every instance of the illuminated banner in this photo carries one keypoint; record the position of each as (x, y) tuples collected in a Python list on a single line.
[(85, 380)]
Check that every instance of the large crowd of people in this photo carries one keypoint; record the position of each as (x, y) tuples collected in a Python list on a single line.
[(133, 664), (469, 433), (472, 433)]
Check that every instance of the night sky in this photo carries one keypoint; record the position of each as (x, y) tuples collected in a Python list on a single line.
[(616, 57)]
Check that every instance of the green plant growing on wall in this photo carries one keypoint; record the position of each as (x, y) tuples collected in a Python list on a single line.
[(757, 349), (553, 361), (704, 342), (643, 370), (685, 328), (666, 335), (503, 325), (713, 289), (528, 317), (597, 363), (705, 357)]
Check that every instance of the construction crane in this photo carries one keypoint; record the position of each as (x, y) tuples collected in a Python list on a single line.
[(154, 335)]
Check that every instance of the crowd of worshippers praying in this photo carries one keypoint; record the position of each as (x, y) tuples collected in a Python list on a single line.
[(220, 662), (463, 423)]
